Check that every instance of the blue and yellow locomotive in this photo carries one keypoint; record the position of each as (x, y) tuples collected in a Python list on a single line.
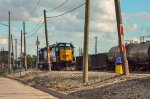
[(61, 57)]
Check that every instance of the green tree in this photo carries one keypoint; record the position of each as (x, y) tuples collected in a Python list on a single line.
[(4, 57), (31, 61)]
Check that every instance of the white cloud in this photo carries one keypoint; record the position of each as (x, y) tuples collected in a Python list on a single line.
[(37, 20), (103, 27), (135, 39), (143, 15), (68, 28), (132, 27), (4, 41)]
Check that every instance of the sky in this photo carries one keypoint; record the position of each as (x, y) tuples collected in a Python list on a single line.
[(70, 27)]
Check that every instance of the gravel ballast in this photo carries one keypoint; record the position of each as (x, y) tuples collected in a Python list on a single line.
[(101, 85)]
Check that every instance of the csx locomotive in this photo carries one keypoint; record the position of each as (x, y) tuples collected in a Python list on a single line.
[(61, 57)]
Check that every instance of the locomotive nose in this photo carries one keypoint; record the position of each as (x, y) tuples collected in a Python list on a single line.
[(66, 55)]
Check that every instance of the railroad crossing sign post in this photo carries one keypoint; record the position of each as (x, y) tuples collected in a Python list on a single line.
[(21, 54), (121, 37), (37, 58), (20, 62)]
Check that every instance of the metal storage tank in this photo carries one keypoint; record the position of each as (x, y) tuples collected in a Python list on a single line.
[(139, 53), (113, 53)]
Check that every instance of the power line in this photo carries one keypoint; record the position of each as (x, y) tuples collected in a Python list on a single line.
[(3, 24), (33, 10), (2, 35), (7, 25), (67, 12), (36, 30), (35, 27), (59, 6)]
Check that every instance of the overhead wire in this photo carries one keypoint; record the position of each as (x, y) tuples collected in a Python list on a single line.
[(33, 10), (36, 27), (67, 11), (40, 25), (48, 10), (8, 25), (35, 31), (31, 15), (1, 35), (59, 5), (3, 24)]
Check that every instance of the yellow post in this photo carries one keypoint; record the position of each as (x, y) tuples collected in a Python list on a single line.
[(118, 69)]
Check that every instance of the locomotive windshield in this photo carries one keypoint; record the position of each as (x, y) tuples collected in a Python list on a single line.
[(63, 46)]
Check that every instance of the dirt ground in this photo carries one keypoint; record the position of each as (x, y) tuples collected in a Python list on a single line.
[(101, 85)]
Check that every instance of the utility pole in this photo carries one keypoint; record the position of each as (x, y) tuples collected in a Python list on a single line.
[(25, 60), (16, 51), (12, 54), (21, 54), (96, 37), (37, 58), (86, 41), (21, 43), (79, 51), (46, 35), (121, 37), (9, 44)]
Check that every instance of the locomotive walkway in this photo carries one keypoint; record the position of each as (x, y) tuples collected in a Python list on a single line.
[(10, 89)]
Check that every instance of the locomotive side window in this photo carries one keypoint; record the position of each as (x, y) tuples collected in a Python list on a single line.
[(56, 49), (68, 47)]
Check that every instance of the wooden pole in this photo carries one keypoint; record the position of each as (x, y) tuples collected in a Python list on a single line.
[(37, 58), (121, 37), (86, 41), (9, 44), (25, 60), (46, 36), (21, 54), (12, 55)]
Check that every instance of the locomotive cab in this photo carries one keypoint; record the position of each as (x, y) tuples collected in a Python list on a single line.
[(64, 52), (62, 55)]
